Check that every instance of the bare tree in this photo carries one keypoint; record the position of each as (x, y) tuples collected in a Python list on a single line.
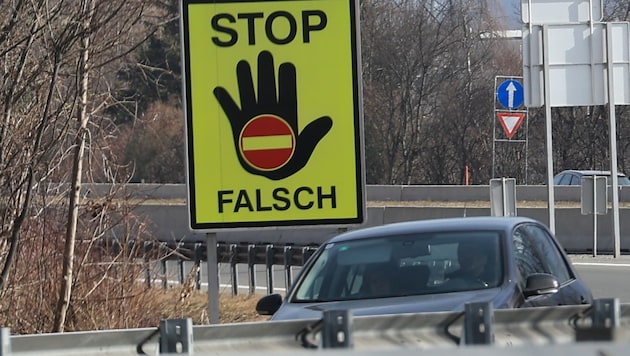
[(617, 10), (428, 90), (31, 54), (108, 31), (52, 112), (86, 12), (402, 47)]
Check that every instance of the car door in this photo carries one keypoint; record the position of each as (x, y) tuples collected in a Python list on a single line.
[(536, 251)]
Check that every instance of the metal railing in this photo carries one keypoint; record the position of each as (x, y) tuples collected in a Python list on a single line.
[(250, 255), (600, 328)]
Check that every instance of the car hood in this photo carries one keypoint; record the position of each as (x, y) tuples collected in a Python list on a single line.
[(397, 305)]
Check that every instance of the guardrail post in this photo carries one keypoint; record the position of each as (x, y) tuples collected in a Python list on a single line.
[(478, 324), (233, 270), (605, 321), (337, 329), (163, 250), (307, 252), (269, 266), (288, 258), (251, 263), (198, 259), (180, 270), (180, 262), (5, 341), (176, 336), (605, 313), (147, 262)]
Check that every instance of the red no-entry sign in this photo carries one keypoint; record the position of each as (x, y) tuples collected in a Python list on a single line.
[(267, 142)]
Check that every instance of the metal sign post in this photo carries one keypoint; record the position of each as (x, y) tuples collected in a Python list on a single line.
[(613, 138), (548, 141), (574, 55), (213, 278)]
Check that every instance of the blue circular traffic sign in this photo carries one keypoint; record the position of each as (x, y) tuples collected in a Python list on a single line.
[(510, 94)]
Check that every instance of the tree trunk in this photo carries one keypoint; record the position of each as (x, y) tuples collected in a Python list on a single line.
[(65, 291)]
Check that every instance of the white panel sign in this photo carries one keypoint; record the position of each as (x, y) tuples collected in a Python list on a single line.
[(621, 61), (594, 195), (533, 80), (503, 197), (577, 64), (561, 11)]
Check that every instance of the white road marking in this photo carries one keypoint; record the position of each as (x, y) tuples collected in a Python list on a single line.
[(601, 264)]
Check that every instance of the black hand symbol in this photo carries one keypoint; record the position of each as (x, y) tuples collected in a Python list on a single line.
[(283, 108)]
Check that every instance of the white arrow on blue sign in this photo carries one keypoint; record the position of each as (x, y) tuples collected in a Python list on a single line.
[(510, 94)]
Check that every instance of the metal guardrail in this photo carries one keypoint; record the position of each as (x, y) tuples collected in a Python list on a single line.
[(601, 328), (267, 255)]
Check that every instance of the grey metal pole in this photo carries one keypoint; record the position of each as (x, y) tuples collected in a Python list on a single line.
[(505, 197), (550, 190), (613, 139), (213, 278), (594, 216), (494, 130)]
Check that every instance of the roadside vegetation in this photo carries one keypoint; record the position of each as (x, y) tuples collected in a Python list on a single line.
[(117, 283), (90, 91)]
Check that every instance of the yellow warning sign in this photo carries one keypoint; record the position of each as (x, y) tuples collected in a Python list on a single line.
[(273, 112)]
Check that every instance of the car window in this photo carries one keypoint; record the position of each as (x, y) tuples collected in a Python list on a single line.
[(563, 179), (623, 180), (535, 252), (402, 265), (313, 280), (559, 179)]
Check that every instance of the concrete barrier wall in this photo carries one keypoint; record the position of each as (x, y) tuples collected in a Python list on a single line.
[(377, 192), (474, 193), (169, 221)]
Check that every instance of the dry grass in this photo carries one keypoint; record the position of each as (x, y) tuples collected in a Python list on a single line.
[(109, 293), (110, 288), (119, 305), (232, 309), (236, 309)]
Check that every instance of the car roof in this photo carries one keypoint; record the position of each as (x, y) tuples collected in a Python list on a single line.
[(590, 172), (431, 225)]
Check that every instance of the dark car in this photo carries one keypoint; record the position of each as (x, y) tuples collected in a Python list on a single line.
[(574, 177), (430, 266)]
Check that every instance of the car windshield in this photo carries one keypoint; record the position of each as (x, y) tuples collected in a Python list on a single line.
[(575, 178), (403, 265)]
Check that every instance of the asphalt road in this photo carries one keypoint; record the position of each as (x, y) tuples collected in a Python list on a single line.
[(608, 277)]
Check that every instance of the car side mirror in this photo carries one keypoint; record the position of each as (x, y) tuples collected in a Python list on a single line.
[(269, 304), (540, 284)]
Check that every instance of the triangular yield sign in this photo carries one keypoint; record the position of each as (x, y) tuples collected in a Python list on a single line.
[(510, 121)]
